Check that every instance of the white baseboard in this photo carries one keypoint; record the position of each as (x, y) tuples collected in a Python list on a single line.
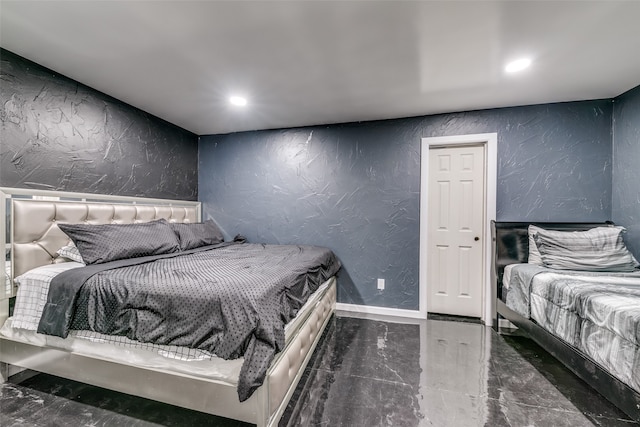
[(395, 314), (379, 311)]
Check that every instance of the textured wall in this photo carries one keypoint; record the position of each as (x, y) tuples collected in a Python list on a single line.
[(626, 166), (356, 187), (57, 134), (554, 160)]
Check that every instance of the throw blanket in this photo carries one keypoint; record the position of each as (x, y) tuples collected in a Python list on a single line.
[(232, 300)]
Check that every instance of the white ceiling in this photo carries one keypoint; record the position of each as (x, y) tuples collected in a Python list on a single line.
[(319, 62)]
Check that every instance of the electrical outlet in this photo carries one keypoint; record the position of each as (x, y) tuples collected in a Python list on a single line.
[(380, 284)]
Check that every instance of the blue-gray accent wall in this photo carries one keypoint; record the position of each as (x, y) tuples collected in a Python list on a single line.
[(352, 187), (355, 187), (626, 166), (58, 134)]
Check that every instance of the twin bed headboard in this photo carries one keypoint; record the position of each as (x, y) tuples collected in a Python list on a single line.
[(511, 242), (29, 218)]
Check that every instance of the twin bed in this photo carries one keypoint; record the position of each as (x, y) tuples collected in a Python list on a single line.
[(93, 302), (574, 288)]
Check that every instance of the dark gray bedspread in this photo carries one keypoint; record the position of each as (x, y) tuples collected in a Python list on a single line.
[(233, 301)]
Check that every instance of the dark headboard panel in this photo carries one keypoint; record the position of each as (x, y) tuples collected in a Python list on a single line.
[(511, 242)]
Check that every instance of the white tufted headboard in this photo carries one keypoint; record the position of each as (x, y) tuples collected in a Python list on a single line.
[(37, 238), (33, 236)]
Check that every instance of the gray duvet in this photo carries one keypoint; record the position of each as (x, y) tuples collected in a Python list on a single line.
[(232, 300), (597, 313)]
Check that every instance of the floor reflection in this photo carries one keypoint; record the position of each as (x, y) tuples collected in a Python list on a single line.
[(365, 373), (439, 373)]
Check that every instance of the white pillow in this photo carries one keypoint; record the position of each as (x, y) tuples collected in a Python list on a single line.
[(70, 252), (534, 253)]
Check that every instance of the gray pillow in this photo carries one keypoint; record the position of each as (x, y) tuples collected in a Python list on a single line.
[(597, 249), (109, 242), (194, 235)]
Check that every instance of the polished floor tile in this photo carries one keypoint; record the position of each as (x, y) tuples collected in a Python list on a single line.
[(365, 373)]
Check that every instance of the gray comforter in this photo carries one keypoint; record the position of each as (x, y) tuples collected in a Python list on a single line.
[(232, 300), (595, 312)]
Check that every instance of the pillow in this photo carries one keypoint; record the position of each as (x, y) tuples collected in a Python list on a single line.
[(109, 242), (534, 253), (70, 252), (194, 235), (598, 249)]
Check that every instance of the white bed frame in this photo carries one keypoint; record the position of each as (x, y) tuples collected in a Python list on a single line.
[(266, 405)]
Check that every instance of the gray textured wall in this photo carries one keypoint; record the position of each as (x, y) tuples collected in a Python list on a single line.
[(626, 166), (356, 187), (57, 134)]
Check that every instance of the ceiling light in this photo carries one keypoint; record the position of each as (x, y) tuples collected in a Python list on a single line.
[(238, 100), (517, 65)]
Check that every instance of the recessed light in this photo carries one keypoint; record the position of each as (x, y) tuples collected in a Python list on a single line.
[(238, 100), (517, 65)]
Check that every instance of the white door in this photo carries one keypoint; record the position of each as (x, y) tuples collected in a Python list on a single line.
[(455, 230)]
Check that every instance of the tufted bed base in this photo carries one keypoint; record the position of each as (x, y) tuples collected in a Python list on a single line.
[(34, 237)]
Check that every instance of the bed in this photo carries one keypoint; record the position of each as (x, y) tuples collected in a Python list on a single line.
[(250, 380), (587, 318)]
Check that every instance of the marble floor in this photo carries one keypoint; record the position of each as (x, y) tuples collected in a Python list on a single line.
[(365, 373)]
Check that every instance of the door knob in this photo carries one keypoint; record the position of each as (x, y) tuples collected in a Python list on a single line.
[(476, 238)]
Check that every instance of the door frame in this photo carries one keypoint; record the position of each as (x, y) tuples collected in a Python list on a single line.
[(490, 142)]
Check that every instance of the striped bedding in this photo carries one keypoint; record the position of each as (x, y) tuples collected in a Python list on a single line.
[(597, 313)]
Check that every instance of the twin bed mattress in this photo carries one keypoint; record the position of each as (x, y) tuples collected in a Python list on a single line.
[(597, 313)]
